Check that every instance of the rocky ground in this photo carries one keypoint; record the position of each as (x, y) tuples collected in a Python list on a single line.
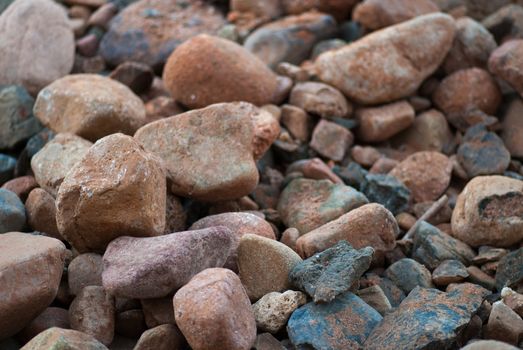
[(270, 175)]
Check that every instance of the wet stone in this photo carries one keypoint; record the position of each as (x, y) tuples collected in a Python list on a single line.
[(387, 191), (409, 274)]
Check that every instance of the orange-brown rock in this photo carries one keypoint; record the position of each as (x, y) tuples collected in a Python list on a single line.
[(379, 123), (340, 9), (506, 63), (266, 131), (320, 99), (41, 212)]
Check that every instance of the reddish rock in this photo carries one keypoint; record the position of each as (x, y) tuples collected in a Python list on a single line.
[(103, 15), (504, 324), (84, 270), (365, 156), (379, 123), (331, 140), (320, 99), (340, 9), (41, 212), (21, 186), (214, 312), (506, 63), (383, 166), (297, 121), (512, 128), (252, 8), (266, 131), (89, 218), (315, 169), (289, 237), (58, 338), (50, 317)]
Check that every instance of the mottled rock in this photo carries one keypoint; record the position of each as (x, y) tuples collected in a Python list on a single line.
[(273, 310), (488, 254), (30, 272), (487, 212), (27, 59), (90, 106), (41, 212), (84, 270), (513, 300), (376, 298), (391, 63), (377, 124), (116, 189), (266, 131), (163, 337), (387, 191), (175, 215), (409, 274), (265, 341), (449, 271), (12, 212), (504, 324), (331, 140), (172, 259), (320, 99), (505, 62), (510, 270), (58, 338), (214, 312), (512, 127)]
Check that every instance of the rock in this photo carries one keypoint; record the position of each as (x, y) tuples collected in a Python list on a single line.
[(84, 270), (58, 338), (297, 122), (506, 64), (21, 186), (377, 124), (208, 153), (50, 317), (26, 59), (504, 324), (344, 323), (16, 117), (134, 36), (383, 166), (433, 246), (41, 212), (265, 10), (241, 75), (88, 218), (365, 156), (307, 204), (163, 337), (130, 323), (375, 14), (409, 274), (510, 271), (339, 9), (273, 310), (472, 46), (487, 212), (320, 99), (393, 293), (158, 311), (379, 68), (52, 163), (172, 259), (488, 254), (264, 265), (331, 272), (12, 212), (7, 167), (477, 276), (137, 76), (442, 216), (369, 225), (426, 174), (240, 224), (214, 312), (66, 105), (446, 313), (30, 272), (291, 38), (176, 216), (512, 126), (387, 191), (92, 312), (266, 131), (331, 140), (265, 341), (449, 271), (488, 345), (376, 298), (482, 152)]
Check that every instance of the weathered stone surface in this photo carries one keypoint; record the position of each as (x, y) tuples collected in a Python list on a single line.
[(393, 293), (161, 265), (449, 271), (513, 300), (27, 59), (273, 310), (512, 128), (488, 212), (134, 36), (338, 8), (379, 123), (365, 155), (297, 122), (163, 337), (84, 270), (50, 317), (391, 63), (58, 338), (214, 312), (408, 274), (488, 345), (376, 298), (116, 189), (175, 215), (265, 341), (90, 106), (307, 204), (344, 323), (41, 212), (446, 313), (510, 270), (30, 272), (331, 272), (227, 72), (331, 140), (208, 153), (266, 130), (320, 99), (504, 324), (505, 62), (7, 167), (369, 225), (387, 191), (12, 212)]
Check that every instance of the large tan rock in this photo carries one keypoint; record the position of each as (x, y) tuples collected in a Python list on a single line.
[(89, 105), (391, 63), (116, 189), (30, 271)]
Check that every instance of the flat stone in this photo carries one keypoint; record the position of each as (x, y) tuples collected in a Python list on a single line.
[(331, 272), (161, 265), (449, 271), (84, 270), (12, 212), (477, 276), (163, 337), (320, 99), (488, 254), (387, 191), (504, 324), (510, 269), (41, 212), (376, 298), (58, 338), (377, 124), (331, 140), (409, 274), (273, 310)]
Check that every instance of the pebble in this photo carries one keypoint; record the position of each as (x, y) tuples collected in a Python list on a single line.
[(488, 345), (90, 106), (426, 174), (387, 191), (273, 310), (41, 212), (58, 338), (488, 254), (291, 38), (266, 131), (369, 225), (12, 212), (376, 298), (218, 163), (504, 324), (162, 337), (7, 167), (510, 270), (408, 274), (505, 63), (487, 212), (228, 76), (214, 312), (27, 60), (320, 99), (365, 155), (50, 317), (393, 293), (449, 271), (83, 271), (137, 76), (307, 204), (512, 126), (88, 218), (331, 140), (297, 122), (378, 68), (21, 186), (134, 36), (31, 270), (344, 323), (377, 124), (161, 265), (332, 272), (92, 312), (264, 265)]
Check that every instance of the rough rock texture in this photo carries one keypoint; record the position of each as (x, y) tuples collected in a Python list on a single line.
[(116, 189), (26, 58), (84, 270), (12, 212), (504, 324), (322, 140), (160, 265), (449, 271), (214, 312), (510, 270), (58, 338), (208, 152), (512, 128), (505, 62), (320, 99), (163, 337), (226, 72), (30, 272), (273, 310), (41, 212), (376, 298), (89, 105), (380, 123), (391, 63), (488, 212), (407, 274), (387, 191)]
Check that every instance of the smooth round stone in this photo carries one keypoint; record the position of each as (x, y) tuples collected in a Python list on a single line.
[(505, 62), (488, 345), (12, 212)]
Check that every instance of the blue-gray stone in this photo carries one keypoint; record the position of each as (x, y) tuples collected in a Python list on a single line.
[(408, 274), (12, 212), (510, 270), (387, 191), (353, 174), (7, 167)]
